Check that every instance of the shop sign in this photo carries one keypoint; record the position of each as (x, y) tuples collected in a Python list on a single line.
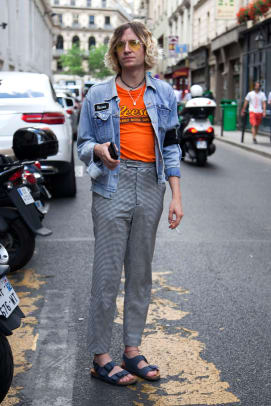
[(181, 48), (172, 42), (225, 9)]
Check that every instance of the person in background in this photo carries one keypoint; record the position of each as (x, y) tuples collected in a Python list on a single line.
[(138, 114), (256, 99), (177, 93)]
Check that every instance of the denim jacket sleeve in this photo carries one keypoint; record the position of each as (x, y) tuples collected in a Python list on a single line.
[(172, 153), (86, 141)]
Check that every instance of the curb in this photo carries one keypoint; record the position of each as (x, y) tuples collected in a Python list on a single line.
[(246, 147)]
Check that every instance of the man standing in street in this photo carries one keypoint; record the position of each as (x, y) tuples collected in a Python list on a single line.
[(138, 115), (177, 93), (257, 108)]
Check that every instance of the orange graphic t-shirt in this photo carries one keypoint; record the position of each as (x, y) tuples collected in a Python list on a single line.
[(136, 131)]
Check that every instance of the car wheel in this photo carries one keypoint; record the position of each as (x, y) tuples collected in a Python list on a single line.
[(64, 184)]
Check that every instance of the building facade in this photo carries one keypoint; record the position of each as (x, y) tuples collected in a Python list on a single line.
[(85, 23), (217, 51), (26, 36)]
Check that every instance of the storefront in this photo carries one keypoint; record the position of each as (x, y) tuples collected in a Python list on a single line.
[(198, 64), (180, 79), (227, 51)]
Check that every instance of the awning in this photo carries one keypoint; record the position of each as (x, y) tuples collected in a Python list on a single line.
[(182, 72)]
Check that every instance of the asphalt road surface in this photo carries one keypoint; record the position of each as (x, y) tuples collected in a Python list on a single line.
[(209, 322)]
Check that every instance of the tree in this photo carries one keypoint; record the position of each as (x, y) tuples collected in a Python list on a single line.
[(73, 61), (97, 67)]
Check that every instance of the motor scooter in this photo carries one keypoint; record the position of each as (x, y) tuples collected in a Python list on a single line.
[(196, 133), (20, 220), (10, 319)]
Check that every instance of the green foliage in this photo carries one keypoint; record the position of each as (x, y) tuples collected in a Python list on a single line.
[(73, 61), (97, 67)]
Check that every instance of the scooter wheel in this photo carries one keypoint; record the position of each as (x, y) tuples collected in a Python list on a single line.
[(19, 242), (201, 158), (6, 366)]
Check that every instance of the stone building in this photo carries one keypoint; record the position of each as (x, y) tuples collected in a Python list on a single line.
[(86, 23), (26, 36)]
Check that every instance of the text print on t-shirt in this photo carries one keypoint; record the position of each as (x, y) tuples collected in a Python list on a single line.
[(133, 115)]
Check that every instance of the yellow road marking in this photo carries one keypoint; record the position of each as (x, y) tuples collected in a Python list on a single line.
[(188, 379), (24, 338)]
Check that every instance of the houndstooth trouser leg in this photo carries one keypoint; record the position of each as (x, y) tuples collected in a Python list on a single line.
[(125, 231)]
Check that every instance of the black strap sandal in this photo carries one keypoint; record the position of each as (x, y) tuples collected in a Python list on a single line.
[(102, 373), (130, 364)]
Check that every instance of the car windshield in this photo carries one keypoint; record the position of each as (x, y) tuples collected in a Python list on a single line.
[(21, 87)]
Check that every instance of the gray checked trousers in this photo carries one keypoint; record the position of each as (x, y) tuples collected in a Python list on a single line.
[(125, 230)]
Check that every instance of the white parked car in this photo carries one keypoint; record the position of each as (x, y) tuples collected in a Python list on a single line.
[(69, 105), (29, 100)]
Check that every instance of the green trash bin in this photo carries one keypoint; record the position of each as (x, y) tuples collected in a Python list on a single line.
[(230, 114)]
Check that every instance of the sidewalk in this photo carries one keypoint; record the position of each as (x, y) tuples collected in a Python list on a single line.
[(234, 137)]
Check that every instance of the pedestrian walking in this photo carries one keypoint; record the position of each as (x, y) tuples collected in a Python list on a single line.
[(256, 99), (138, 113), (177, 93)]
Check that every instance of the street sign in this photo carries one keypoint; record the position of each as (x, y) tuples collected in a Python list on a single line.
[(225, 9)]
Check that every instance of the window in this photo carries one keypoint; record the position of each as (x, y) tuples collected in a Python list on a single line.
[(59, 42), (91, 20), (56, 2), (72, 2), (75, 20), (60, 19), (104, 3), (106, 40), (91, 42), (59, 66), (88, 3), (76, 41), (107, 20)]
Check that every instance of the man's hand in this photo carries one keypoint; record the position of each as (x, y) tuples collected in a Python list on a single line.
[(175, 213), (101, 150), (242, 113), (264, 113)]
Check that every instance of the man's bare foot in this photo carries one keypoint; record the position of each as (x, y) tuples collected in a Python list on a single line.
[(132, 352), (103, 359)]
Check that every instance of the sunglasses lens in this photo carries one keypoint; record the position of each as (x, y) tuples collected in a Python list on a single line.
[(134, 45), (120, 46)]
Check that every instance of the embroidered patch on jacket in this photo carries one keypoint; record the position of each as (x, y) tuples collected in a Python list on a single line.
[(101, 106)]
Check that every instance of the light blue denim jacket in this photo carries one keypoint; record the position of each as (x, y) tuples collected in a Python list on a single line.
[(104, 125)]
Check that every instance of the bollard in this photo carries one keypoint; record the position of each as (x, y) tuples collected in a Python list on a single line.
[(244, 122), (222, 123)]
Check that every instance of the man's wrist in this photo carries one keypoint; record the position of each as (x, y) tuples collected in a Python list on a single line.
[(96, 155)]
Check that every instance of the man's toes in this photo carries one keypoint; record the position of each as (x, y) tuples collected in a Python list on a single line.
[(152, 373)]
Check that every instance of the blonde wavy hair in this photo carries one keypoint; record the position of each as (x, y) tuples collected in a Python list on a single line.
[(144, 35)]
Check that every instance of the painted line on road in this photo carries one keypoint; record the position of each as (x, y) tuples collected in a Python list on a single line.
[(55, 357)]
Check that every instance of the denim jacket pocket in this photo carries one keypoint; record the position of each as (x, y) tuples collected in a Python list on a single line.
[(103, 126), (163, 115)]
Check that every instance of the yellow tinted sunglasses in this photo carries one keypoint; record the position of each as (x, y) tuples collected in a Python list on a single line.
[(134, 45)]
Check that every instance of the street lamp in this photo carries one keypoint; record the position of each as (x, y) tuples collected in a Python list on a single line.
[(260, 41)]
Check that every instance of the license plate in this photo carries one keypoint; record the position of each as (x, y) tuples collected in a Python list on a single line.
[(25, 195), (8, 298), (201, 144)]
